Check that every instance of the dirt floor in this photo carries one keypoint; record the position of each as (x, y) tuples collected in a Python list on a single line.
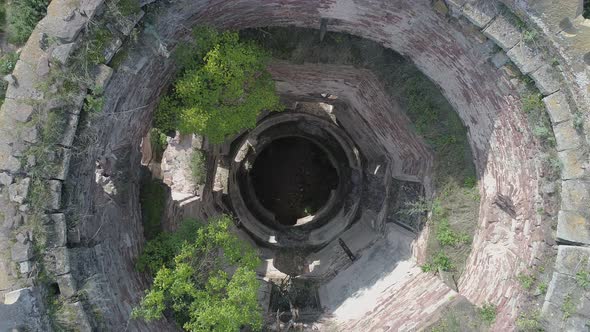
[(293, 178)]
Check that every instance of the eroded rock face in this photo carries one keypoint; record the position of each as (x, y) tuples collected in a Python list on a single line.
[(453, 53)]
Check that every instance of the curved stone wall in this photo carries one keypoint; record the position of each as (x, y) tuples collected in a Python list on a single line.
[(95, 253)]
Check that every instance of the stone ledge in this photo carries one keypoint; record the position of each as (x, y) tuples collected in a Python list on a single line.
[(503, 32), (547, 79), (557, 107), (575, 195), (574, 164), (526, 58), (566, 136), (479, 14), (573, 228)]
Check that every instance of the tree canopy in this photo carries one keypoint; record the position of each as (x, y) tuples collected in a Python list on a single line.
[(211, 284), (222, 87)]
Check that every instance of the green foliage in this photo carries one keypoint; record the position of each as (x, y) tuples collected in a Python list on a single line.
[(23, 15), (128, 7), (222, 89), (152, 197), (526, 280), (488, 313), (586, 12), (97, 44), (94, 102), (532, 103), (440, 261), (568, 307), (529, 36), (7, 62), (447, 236), (542, 288), (162, 248), (199, 292), (583, 279), (198, 169), (159, 142), (529, 322), (470, 181)]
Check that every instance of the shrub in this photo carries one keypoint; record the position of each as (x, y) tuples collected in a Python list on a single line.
[(128, 7), (440, 261), (447, 236), (160, 250), (583, 279), (23, 15), (198, 291), (488, 313), (198, 169), (7, 62), (222, 88), (532, 103), (529, 321), (526, 281)]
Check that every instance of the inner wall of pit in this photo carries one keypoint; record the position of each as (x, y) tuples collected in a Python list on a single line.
[(450, 52)]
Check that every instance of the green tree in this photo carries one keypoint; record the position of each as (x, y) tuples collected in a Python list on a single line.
[(210, 286), (222, 87), (23, 15)]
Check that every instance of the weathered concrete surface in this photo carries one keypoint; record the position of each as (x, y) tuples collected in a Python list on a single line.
[(384, 289), (567, 303)]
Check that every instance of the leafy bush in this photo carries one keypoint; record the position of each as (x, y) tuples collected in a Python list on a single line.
[(440, 261), (488, 313), (529, 321), (128, 7), (198, 170), (7, 62), (196, 288), (526, 281), (160, 250), (447, 236), (222, 88), (23, 15)]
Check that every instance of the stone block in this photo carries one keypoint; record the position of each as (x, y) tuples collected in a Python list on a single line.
[(56, 230), (19, 111), (503, 32), (525, 57), (62, 53), (69, 133), (5, 179), (63, 167), (25, 267), (54, 201), (566, 136), (112, 49), (29, 134), (67, 285), (91, 7), (479, 13), (570, 258), (19, 191), (574, 164), (102, 76), (22, 251), (573, 227), (65, 28), (557, 107), (33, 51), (57, 260), (564, 288), (72, 316), (10, 164), (575, 195), (26, 81), (126, 25), (547, 79)]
